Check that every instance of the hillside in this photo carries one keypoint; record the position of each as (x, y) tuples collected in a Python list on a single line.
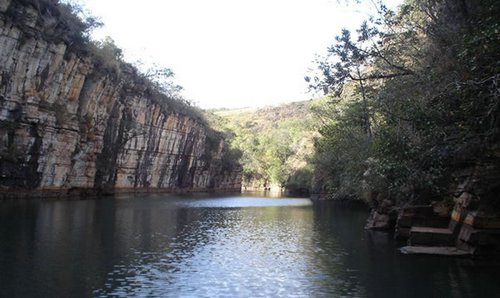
[(274, 142)]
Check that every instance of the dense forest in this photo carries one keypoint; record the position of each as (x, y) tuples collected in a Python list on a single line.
[(414, 105)]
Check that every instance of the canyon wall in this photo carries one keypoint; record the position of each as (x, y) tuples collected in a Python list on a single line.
[(70, 122)]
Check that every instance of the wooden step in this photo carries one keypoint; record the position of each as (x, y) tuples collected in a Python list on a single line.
[(428, 236), (434, 250)]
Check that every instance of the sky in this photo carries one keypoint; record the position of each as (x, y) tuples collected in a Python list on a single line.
[(230, 53)]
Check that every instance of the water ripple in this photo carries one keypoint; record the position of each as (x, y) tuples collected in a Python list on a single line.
[(249, 252)]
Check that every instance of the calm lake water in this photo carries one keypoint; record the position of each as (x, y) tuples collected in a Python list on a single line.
[(159, 245)]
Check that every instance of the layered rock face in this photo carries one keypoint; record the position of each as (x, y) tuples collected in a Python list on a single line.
[(65, 124)]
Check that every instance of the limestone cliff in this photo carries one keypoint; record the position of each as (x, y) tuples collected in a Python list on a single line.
[(69, 123)]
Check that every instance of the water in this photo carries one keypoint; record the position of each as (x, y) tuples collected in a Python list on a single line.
[(226, 246)]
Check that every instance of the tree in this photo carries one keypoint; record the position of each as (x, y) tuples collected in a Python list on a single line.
[(162, 77), (425, 84)]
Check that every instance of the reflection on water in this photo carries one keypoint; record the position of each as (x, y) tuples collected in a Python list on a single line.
[(179, 246), (224, 252)]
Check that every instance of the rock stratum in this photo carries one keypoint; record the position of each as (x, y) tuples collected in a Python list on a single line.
[(71, 121)]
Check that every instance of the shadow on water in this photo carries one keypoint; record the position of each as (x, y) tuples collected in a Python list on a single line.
[(216, 246)]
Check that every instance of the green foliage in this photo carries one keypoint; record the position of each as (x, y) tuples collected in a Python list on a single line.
[(76, 22), (162, 78), (231, 159), (274, 143), (342, 150), (300, 180), (415, 99), (107, 57), (57, 21)]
